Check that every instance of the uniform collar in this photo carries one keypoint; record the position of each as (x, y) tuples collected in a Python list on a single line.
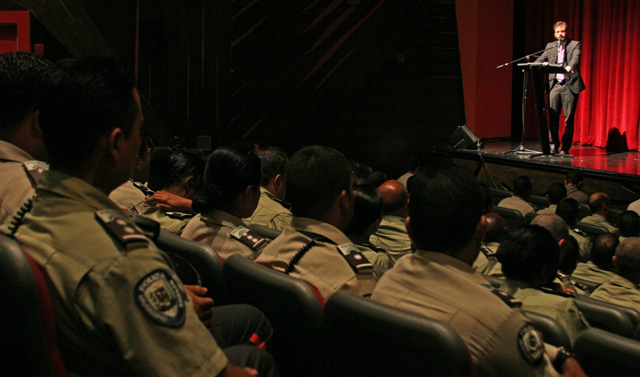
[(452, 263), (10, 152), (624, 283), (268, 194), (305, 224), (224, 218), (60, 184)]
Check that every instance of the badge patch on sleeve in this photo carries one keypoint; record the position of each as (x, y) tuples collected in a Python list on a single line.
[(159, 297), (531, 344)]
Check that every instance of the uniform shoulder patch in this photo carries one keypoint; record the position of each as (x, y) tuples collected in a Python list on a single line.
[(119, 226), (531, 345), (248, 237), (581, 232), (34, 170), (179, 215), (505, 297), (358, 262), (159, 297)]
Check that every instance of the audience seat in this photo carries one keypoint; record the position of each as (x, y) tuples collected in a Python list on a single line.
[(633, 314), (498, 195), (538, 201), (528, 218), (513, 218), (367, 338), (27, 324), (583, 211), (264, 231), (292, 306), (601, 354), (590, 229), (195, 263), (603, 315), (552, 331)]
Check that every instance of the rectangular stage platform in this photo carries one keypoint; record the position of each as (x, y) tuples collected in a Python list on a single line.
[(615, 173)]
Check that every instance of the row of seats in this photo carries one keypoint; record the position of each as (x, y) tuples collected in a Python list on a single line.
[(348, 335)]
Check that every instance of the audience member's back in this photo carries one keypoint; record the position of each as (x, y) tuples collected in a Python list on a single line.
[(600, 268), (622, 289)]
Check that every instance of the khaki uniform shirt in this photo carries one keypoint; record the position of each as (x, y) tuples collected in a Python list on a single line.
[(483, 264), (392, 236), (517, 203), (619, 291), (215, 229), (562, 309), (634, 206), (574, 193), (269, 212), (15, 184), (584, 243), (324, 265), (551, 210), (444, 288), (601, 222), (120, 309), (590, 272), (378, 257), (404, 178), (171, 224), (127, 196)]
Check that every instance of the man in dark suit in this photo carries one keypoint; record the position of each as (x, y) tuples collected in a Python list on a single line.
[(563, 88)]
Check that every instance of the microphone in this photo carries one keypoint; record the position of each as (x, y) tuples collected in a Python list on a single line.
[(559, 40)]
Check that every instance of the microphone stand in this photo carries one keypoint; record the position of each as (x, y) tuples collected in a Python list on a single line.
[(520, 149)]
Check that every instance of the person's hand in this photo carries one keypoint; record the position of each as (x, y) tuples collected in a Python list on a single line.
[(568, 69), (234, 371), (201, 304), (571, 368), (170, 202)]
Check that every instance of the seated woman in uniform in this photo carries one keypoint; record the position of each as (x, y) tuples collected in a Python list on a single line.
[(530, 259), (178, 173), (367, 215), (231, 192)]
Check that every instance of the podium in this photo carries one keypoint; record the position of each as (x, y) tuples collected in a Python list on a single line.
[(538, 71)]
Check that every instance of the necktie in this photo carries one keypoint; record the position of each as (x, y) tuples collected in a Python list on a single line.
[(560, 76)]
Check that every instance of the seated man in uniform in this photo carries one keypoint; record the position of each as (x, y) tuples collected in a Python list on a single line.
[(486, 262), (600, 205), (573, 183), (555, 193), (314, 247), (391, 234), (623, 289), (568, 210), (272, 211), (521, 190), (629, 224), (529, 257), (120, 308), (23, 79), (600, 268), (447, 226)]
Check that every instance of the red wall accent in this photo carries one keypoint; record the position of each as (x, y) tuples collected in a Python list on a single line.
[(485, 32), (15, 32)]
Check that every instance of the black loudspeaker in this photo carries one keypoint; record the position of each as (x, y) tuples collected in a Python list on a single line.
[(463, 138)]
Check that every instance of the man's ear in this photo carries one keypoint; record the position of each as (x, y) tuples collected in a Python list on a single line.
[(613, 260), (344, 201), (34, 125), (407, 225), (116, 142), (481, 229)]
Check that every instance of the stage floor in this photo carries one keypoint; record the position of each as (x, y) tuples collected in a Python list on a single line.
[(621, 167)]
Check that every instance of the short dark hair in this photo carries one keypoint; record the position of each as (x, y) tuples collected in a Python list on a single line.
[(569, 260), (367, 208), (90, 97), (629, 224), (574, 177), (556, 191), (522, 186), (315, 177), (24, 79), (526, 252), (628, 258), (274, 161), (568, 209), (229, 171), (603, 250), (445, 208), (181, 165), (158, 166)]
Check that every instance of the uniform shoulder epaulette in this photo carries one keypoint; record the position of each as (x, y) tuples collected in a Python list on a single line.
[(554, 292), (486, 251), (358, 262), (511, 301), (119, 226), (581, 232), (34, 170), (248, 237), (283, 203), (179, 215), (145, 190)]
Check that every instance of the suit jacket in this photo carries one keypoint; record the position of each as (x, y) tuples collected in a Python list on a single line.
[(572, 59)]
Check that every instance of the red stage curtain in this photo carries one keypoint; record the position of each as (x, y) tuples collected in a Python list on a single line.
[(608, 113)]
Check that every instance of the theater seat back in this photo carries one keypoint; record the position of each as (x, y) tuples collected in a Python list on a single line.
[(602, 354)]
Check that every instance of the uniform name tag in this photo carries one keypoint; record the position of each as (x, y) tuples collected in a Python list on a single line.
[(248, 237), (34, 169), (119, 226), (358, 262), (159, 297)]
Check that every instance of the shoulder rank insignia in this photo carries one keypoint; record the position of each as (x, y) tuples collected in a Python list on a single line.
[(505, 297), (486, 251), (179, 215), (530, 344), (119, 226), (581, 232), (358, 262), (34, 170), (159, 297), (248, 237), (145, 190)]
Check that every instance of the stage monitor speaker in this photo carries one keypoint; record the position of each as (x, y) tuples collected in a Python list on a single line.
[(463, 138)]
